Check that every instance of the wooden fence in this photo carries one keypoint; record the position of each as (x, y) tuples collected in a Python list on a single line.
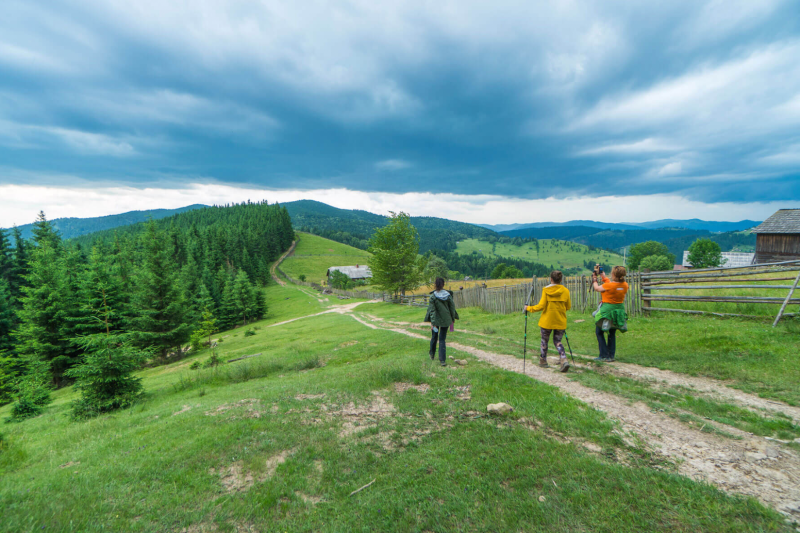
[(693, 286), (511, 299), (503, 300)]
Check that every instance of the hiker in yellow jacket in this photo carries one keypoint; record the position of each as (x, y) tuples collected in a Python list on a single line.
[(554, 305)]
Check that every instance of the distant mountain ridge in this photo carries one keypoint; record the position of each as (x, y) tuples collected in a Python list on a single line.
[(693, 224), (75, 227), (355, 227)]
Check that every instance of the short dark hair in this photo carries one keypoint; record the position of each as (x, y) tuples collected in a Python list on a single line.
[(438, 284), (556, 276)]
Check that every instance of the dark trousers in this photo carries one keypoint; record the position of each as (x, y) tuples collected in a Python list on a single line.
[(607, 349), (441, 335)]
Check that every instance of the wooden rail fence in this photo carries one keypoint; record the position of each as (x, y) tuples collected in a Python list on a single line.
[(747, 278)]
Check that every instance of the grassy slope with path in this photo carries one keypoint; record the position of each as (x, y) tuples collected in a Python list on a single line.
[(287, 462), (561, 254), (314, 255)]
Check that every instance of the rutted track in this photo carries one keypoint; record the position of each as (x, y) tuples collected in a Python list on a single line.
[(752, 466)]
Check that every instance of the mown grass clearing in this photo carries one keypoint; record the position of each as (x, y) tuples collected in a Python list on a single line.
[(328, 407), (749, 354), (314, 255), (560, 254)]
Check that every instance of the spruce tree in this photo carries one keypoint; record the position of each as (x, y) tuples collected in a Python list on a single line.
[(244, 297), (160, 314)]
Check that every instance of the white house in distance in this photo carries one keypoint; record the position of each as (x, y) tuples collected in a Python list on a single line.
[(356, 273), (729, 259)]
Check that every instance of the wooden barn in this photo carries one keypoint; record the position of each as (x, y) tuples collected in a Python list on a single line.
[(778, 237)]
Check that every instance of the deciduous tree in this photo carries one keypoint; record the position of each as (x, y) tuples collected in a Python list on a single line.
[(394, 264)]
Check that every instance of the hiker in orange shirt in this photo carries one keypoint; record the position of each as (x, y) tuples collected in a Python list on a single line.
[(554, 305), (611, 315)]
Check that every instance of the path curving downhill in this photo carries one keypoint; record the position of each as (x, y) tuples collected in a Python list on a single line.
[(752, 466), (277, 263)]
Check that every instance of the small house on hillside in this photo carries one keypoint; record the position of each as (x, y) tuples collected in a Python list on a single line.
[(729, 259), (356, 273), (778, 237)]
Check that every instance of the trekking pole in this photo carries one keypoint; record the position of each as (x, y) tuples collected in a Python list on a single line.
[(525, 342), (570, 347)]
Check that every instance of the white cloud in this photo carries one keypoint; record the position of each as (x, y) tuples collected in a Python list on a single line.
[(644, 146), (393, 164), (670, 169), (20, 203)]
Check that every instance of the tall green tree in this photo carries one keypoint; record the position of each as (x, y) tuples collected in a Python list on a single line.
[(639, 251), (160, 312), (394, 263), (436, 267), (705, 253), (655, 263), (44, 310)]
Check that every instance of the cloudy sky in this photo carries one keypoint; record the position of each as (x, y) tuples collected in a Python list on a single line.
[(481, 111)]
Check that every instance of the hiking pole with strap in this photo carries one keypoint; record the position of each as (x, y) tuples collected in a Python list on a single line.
[(568, 346), (525, 342)]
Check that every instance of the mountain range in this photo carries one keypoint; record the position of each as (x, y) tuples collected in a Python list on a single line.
[(692, 224)]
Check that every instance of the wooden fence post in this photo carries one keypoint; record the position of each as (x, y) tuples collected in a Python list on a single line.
[(786, 301), (645, 303)]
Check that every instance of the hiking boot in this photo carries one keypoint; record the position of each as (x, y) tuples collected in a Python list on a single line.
[(603, 359), (564, 366), (432, 356), (443, 363), (543, 362), (610, 360)]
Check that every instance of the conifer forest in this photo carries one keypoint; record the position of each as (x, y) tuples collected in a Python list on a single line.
[(88, 311)]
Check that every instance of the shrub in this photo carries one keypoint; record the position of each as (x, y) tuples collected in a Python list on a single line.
[(214, 360), (195, 366), (249, 333), (301, 277), (33, 392), (105, 378)]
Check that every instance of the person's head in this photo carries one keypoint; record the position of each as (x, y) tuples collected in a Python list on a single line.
[(556, 276), (619, 273), (438, 284)]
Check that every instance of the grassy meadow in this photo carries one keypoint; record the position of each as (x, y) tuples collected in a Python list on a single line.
[(280, 441), (314, 255), (560, 254)]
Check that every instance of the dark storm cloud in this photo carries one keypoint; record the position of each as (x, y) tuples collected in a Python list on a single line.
[(700, 99)]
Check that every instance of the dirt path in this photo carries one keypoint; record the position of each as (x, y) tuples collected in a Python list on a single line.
[(706, 386), (752, 466), (278, 262)]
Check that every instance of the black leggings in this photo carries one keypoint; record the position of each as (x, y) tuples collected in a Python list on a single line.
[(607, 350), (441, 335)]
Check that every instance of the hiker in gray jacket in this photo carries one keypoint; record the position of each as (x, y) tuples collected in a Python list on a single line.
[(441, 314)]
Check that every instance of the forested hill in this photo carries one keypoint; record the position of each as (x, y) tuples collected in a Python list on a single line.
[(355, 227), (74, 227), (150, 284)]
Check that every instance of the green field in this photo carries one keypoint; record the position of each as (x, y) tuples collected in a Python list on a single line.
[(560, 254), (278, 442), (313, 256)]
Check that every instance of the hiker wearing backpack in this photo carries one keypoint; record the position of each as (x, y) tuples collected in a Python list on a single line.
[(611, 315), (442, 315), (554, 305)]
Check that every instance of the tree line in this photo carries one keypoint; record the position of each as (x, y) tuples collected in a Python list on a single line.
[(96, 307)]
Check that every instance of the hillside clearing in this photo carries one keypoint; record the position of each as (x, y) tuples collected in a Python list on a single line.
[(280, 441), (314, 255), (561, 254)]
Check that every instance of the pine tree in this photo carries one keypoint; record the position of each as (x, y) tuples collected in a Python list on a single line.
[(244, 297), (6, 258), (44, 310), (159, 320), (206, 327), (6, 317), (20, 267)]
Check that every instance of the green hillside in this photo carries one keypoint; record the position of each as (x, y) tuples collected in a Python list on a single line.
[(75, 227), (355, 227), (314, 255), (282, 440), (564, 255)]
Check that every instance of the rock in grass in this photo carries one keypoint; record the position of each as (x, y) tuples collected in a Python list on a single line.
[(499, 408), (462, 362)]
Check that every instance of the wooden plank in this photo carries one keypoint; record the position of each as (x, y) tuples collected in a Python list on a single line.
[(714, 287), (688, 274), (719, 299), (707, 280), (717, 269), (694, 312), (786, 302)]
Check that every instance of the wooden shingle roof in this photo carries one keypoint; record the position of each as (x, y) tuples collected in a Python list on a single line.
[(783, 221)]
